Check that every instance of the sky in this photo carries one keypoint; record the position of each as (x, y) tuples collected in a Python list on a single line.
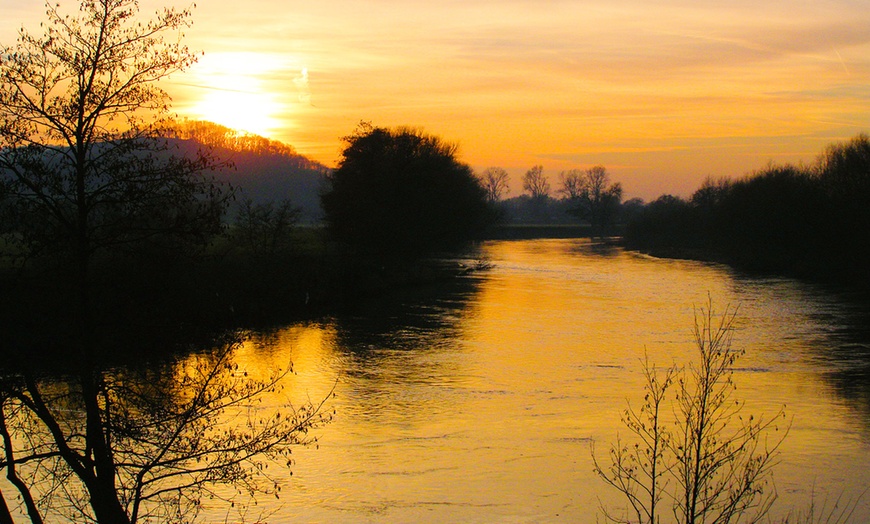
[(662, 93)]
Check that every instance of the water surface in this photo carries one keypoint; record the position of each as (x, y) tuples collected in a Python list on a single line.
[(480, 400)]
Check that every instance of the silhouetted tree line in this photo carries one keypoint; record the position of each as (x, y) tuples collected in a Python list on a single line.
[(218, 136), (810, 221), (259, 169), (582, 197)]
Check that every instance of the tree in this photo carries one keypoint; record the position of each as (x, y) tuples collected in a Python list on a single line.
[(537, 189), (87, 178), (401, 192), (572, 184), (218, 136), (666, 222), (536, 184), (843, 174), (805, 221), (594, 198), (844, 170), (711, 194), (495, 181), (709, 463), (84, 168), (165, 440)]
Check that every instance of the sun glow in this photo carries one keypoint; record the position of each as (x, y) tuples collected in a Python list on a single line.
[(234, 92)]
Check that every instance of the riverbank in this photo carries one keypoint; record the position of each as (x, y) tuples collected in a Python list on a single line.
[(745, 263)]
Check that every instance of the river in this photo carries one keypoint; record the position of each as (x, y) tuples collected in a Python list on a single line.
[(481, 400)]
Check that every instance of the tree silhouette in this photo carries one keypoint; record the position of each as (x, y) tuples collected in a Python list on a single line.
[(536, 184), (696, 453), (84, 172), (402, 193), (592, 195), (805, 221), (844, 169), (265, 229), (495, 181), (572, 184), (168, 437), (843, 173)]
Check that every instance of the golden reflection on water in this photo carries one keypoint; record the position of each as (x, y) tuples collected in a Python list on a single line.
[(479, 403)]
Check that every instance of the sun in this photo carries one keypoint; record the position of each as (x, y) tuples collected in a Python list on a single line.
[(234, 93), (239, 110)]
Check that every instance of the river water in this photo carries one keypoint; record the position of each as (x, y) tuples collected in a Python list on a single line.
[(480, 401)]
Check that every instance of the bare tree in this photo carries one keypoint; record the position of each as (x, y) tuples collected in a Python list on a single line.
[(573, 184), (87, 174), (536, 184), (593, 196), (495, 181), (640, 471), (169, 438), (83, 165), (710, 463)]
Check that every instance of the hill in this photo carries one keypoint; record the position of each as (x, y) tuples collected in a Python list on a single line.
[(262, 169)]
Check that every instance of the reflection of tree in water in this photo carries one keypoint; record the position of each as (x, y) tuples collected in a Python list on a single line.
[(401, 349), (834, 323), (847, 352), (417, 318), (127, 443)]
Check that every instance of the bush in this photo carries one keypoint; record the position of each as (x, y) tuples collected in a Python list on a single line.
[(402, 193), (710, 462)]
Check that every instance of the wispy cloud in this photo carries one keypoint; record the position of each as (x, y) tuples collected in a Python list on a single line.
[(302, 86)]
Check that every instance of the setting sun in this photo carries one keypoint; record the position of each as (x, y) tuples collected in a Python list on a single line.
[(233, 93)]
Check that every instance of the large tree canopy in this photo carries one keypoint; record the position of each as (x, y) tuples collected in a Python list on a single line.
[(402, 192)]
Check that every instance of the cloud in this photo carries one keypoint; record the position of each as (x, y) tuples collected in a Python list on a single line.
[(302, 86)]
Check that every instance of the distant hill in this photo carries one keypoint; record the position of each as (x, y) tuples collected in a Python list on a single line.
[(264, 170)]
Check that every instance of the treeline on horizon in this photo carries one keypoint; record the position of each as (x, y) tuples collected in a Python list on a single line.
[(218, 136), (257, 264), (804, 221)]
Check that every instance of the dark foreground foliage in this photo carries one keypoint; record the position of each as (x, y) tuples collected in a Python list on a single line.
[(811, 222)]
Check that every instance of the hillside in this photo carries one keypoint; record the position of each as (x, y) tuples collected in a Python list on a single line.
[(262, 169)]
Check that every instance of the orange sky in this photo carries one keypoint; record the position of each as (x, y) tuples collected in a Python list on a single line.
[(663, 94)]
